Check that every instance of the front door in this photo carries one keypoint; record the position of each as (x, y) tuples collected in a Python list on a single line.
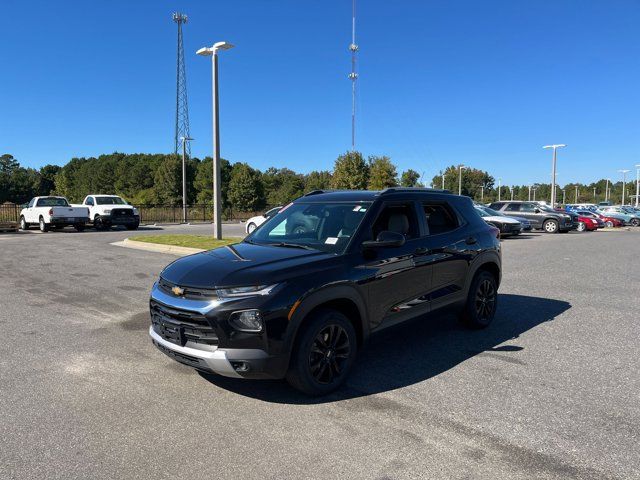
[(398, 277)]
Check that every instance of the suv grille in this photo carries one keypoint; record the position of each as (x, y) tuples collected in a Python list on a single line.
[(189, 292), (180, 326)]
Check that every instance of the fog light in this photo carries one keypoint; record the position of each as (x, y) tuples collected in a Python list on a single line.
[(246, 321), (240, 366)]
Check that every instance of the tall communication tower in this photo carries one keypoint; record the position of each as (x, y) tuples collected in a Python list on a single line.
[(353, 75), (182, 107)]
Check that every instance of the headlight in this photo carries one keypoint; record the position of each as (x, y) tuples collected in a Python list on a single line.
[(252, 291), (107, 210), (135, 211), (246, 321)]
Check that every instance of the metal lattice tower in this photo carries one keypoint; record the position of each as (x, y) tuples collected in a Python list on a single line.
[(353, 76), (182, 107)]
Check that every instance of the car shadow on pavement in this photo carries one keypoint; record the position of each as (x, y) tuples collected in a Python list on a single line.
[(416, 351)]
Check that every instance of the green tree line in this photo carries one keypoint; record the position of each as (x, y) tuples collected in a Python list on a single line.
[(157, 179)]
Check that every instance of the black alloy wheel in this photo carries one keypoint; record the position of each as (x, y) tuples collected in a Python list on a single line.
[(329, 354), (324, 351), (482, 301)]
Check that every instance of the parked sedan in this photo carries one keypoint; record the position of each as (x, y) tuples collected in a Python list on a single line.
[(601, 219), (526, 224), (255, 222), (586, 223), (507, 226), (541, 216)]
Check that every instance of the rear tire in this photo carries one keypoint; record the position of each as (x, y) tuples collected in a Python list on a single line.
[(79, 227), (43, 226), (482, 301), (608, 224), (635, 222), (550, 226), (132, 227), (23, 224), (323, 354)]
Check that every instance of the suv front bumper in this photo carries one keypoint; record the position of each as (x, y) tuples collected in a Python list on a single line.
[(220, 361)]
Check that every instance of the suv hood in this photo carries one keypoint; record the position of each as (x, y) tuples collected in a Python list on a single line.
[(242, 264)]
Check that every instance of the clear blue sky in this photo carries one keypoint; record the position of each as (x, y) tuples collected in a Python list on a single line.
[(441, 82)]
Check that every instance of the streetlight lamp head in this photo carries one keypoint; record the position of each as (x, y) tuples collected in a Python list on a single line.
[(208, 51), (185, 139), (559, 145), (222, 46), (205, 51)]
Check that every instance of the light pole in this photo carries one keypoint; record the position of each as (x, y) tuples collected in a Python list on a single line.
[(511, 190), (534, 193), (624, 181), (499, 185), (606, 191), (217, 193), (482, 193), (529, 192), (460, 168), (442, 180), (553, 172), (637, 183), (564, 196), (184, 141), (595, 199), (576, 201)]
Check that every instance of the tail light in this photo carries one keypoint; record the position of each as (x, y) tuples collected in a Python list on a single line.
[(495, 230), (51, 212)]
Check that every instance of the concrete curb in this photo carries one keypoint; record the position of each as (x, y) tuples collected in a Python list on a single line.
[(158, 248)]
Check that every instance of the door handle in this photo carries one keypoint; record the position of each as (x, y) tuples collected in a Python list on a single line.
[(471, 241), (421, 251)]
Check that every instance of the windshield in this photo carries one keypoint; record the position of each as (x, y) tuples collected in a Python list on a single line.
[(110, 201), (492, 212), (326, 227), (52, 202)]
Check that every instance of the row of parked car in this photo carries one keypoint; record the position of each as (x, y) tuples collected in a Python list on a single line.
[(514, 217), (101, 211)]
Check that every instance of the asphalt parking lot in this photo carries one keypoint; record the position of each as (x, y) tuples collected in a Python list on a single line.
[(550, 390)]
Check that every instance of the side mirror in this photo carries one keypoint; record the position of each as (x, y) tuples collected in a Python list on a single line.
[(536, 210), (385, 239)]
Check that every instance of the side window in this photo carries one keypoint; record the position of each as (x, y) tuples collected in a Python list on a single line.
[(32, 202), (440, 218), (90, 201), (400, 218), (528, 207)]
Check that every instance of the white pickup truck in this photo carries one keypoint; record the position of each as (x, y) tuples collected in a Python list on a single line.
[(108, 210), (54, 212)]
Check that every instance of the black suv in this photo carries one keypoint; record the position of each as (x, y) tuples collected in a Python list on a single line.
[(302, 293), (542, 217)]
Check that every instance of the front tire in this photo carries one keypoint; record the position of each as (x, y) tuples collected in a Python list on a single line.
[(482, 301), (43, 226), (635, 222), (323, 354), (550, 226), (581, 227), (98, 223), (608, 224), (23, 224), (132, 227)]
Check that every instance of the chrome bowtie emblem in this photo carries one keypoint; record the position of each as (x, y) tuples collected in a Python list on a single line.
[(178, 291)]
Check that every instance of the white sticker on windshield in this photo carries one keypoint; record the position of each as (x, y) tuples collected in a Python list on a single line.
[(356, 208), (331, 240)]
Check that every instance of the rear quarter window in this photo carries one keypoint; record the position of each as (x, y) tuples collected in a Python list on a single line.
[(440, 217)]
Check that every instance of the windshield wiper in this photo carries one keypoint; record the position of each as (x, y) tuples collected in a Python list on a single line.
[(292, 245)]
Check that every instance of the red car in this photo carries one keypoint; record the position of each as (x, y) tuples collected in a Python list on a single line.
[(605, 219), (586, 223)]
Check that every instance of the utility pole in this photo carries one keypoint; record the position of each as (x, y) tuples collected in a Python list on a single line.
[(624, 181), (217, 188), (182, 107), (353, 76), (637, 183), (553, 171), (461, 167), (184, 141)]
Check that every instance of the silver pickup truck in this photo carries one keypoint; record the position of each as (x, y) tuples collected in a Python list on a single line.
[(55, 212)]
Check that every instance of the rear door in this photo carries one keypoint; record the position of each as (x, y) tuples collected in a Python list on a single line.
[(450, 249)]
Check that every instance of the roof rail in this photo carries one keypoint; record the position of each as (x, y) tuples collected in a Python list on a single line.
[(412, 189), (315, 192)]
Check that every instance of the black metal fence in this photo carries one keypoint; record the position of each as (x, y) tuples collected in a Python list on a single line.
[(152, 213), (158, 213)]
